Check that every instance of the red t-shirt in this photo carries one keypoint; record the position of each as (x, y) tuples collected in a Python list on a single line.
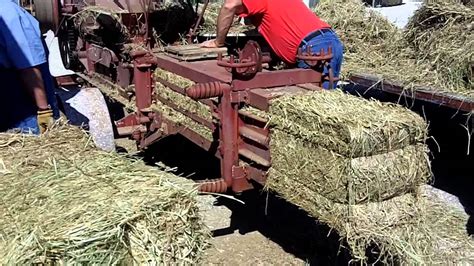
[(283, 24)]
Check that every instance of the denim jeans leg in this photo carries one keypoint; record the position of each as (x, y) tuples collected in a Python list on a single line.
[(323, 41), (28, 125)]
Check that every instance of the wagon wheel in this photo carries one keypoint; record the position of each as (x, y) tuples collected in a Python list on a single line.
[(67, 39)]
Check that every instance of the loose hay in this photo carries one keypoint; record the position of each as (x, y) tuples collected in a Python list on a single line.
[(64, 201), (210, 21), (408, 229), (441, 33), (374, 45)]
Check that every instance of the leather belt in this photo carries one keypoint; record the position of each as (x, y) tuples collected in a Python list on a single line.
[(314, 34)]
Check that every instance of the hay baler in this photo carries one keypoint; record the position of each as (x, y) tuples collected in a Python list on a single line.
[(224, 81)]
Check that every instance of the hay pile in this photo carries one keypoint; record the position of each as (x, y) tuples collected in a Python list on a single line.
[(64, 201), (210, 21), (374, 45), (441, 34)]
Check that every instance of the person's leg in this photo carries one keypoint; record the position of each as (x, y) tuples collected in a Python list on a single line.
[(50, 88), (324, 41), (49, 84)]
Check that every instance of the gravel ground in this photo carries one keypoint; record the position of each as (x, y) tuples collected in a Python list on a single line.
[(233, 248)]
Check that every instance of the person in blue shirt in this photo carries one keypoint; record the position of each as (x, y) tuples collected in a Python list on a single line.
[(27, 101)]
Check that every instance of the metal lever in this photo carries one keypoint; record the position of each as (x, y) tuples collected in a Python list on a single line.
[(192, 31), (232, 63)]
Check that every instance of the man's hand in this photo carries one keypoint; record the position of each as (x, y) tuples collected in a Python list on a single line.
[(210, 44), (45, 120)]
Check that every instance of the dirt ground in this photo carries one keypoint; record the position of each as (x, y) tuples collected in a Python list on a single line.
[(229, 247)]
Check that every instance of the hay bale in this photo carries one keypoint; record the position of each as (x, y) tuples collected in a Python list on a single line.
[(64, 201), (182, 102), (346, 124), (342, 179), (441, 33), (327, 134)]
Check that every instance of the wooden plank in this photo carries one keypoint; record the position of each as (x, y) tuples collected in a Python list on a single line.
[(192, 57), (194, 52), (446, 99), (186, 49), (179, 48)]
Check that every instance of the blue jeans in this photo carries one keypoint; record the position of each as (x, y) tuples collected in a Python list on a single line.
[(28, 125), (323, 41)]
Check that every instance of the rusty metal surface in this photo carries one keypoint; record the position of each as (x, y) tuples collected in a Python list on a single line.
[(280, 78), (240, 180), (212, 185), (318, 61), (450, 100), (313, 59), (253, 134), (200, 71), (257, 174), (228, 136), (143, 85), (207, 90)]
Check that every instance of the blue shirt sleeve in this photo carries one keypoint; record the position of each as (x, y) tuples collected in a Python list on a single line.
[(20, 38)]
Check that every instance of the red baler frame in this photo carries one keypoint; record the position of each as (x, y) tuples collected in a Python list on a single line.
[(235, 82)]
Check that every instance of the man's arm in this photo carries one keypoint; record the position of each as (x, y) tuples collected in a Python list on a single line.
[(224, 22), (225, 19), (32, 81)]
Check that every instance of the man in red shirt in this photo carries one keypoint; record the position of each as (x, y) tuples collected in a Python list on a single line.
[(286, 25)]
